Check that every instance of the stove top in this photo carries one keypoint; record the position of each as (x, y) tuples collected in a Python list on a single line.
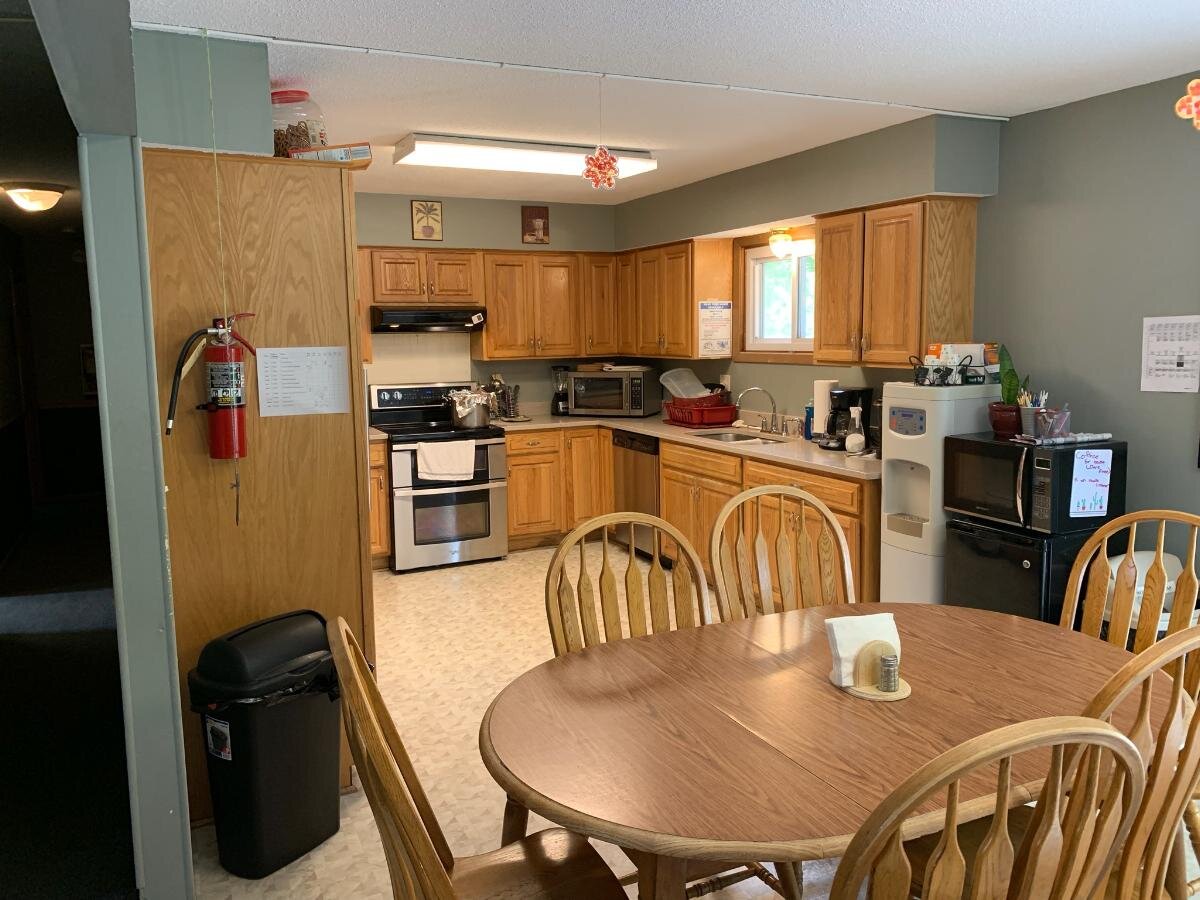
[(410, 432)]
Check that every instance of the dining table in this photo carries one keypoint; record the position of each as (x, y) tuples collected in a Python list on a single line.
[(728, 743)]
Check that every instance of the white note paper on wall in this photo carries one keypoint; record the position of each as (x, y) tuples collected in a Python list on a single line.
[(1089, 483), (303, 381), (716, 328), (1171, 354)]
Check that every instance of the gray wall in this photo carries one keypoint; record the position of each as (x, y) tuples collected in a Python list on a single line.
[(171, 80), (1094, 227), (925, 156), (482, 224)]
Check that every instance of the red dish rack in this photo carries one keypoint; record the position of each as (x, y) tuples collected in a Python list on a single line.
[(713, 411)]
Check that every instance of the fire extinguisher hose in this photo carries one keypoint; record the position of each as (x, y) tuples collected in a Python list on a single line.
[(186, 350)]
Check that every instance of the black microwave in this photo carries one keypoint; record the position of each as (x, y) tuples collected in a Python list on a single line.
[(1052, 489)]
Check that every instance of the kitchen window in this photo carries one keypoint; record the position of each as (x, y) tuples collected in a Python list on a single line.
[(780, 313)]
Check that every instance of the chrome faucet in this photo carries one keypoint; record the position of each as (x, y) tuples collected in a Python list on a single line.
[(763, 427)]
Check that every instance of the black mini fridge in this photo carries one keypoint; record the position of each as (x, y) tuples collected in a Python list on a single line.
[(1021, 573)]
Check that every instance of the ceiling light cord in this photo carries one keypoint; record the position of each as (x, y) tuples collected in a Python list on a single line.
[(555, 70)]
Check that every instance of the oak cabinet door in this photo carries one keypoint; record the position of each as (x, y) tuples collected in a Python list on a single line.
[(626, 302), (677, 504), (892, 279), (649, 281), (454, 277), (508, 287), (675, 301), (556, 305), (535, 493), (398, 276), (599, 306), (583, 477), (839, 288), (381, 511), (711, 497), (364, 295)]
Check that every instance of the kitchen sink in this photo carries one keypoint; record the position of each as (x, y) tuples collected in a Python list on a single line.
[(728, 437)]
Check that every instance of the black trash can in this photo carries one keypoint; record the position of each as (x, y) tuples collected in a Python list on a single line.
[(268, 702)]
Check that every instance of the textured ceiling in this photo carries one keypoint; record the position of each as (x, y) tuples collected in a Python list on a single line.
[(996, 57)]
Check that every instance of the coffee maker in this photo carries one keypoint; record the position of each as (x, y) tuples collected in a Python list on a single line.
[(839, 422), (561, 401)]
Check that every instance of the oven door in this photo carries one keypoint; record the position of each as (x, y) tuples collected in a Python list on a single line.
[(600, 395), (987, 480), (449, 524)]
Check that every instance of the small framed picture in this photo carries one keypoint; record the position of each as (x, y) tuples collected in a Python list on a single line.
[(535, 224), (427, 220)]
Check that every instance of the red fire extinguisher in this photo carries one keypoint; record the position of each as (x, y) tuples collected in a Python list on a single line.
[(226, 403)]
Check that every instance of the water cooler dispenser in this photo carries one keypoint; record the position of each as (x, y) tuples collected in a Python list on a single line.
[(915, 421)]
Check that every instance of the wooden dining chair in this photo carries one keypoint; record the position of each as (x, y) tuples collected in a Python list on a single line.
[(777, 548), (554, 864), (571, 608), (1087, 605), (1080, 824)]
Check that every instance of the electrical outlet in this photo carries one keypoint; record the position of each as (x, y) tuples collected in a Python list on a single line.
[(726, 382)]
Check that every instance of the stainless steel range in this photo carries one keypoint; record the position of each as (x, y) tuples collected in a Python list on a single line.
[(435, 522)]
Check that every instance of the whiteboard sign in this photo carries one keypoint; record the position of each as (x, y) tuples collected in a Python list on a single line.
[(716, 328), (1089, 483), (303, 381)]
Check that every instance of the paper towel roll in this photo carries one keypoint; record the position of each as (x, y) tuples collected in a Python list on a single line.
[(821, 391)]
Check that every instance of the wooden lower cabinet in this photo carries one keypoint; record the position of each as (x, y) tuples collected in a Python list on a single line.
[(535, 494), (693, 487), (582, 470), (381, 506), (557, 478)]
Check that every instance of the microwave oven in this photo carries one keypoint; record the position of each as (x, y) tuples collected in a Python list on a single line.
[(1037, 488), (630, 392)]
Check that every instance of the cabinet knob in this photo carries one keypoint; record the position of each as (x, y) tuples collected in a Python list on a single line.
[(539, 343), (531, 343), (533, 444)]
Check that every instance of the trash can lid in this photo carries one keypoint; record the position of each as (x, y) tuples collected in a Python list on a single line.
[(283, 653)]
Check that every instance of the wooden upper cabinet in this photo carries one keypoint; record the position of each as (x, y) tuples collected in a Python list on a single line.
[(892, 284), (508, 286), (838, 301), (398, 276), (626, 303), (599, 305), (555, 319), (894, 279), (454, 277), (364, 295), (648, 266), (677, 308)]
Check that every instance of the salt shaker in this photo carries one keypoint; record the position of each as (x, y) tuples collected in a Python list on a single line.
[(889, 673)]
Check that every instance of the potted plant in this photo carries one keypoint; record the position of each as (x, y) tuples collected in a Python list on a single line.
[(1005, 416)]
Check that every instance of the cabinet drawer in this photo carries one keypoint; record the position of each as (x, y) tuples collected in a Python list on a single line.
[(843, 496), (701, 462), (378, 453), (549, 441)]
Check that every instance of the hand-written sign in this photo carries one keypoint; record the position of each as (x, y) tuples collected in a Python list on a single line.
[(1089, 483)]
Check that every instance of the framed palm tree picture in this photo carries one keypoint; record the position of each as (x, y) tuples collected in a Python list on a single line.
[(427, 220)]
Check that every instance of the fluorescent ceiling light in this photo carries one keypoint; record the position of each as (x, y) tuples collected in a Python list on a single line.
[(452, 152), (34, 197)]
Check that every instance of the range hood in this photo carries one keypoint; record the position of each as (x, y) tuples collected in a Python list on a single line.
[(395, 320)]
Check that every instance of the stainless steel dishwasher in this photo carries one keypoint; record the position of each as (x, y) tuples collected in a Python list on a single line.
[(635, 482)]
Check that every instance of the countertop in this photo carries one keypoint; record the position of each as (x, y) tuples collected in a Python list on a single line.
[(374, 434), (792, 452)]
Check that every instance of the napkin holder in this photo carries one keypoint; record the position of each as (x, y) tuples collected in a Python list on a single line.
[(866, 674)]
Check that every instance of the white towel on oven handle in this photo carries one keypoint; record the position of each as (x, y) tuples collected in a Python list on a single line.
[(446, 460)]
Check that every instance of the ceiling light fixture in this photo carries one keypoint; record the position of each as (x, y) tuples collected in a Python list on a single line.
[(453, 152), (780, 242), (33, 197)]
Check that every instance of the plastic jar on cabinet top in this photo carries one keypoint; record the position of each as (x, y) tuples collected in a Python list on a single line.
[(297, 120)]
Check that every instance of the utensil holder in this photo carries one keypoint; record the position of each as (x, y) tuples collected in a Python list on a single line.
[(1029, 420), (866, 674)]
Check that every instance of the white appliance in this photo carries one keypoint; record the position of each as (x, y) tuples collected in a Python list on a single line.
[(916, 420)]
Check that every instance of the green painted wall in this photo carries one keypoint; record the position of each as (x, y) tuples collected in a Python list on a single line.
[(171, 81), (1094, 227), (482, 224), (925, 156)]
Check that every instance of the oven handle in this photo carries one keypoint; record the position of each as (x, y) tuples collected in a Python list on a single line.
[(482, 443), (462, 489), (1021, 486)]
